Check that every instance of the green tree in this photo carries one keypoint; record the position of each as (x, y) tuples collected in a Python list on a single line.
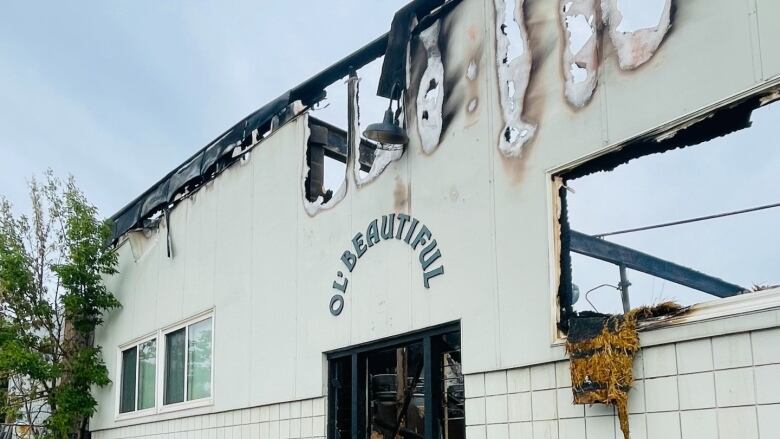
[(52, 297)]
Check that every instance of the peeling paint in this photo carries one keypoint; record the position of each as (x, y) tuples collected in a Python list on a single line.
[(580, 54), (430, 95), (313, 207), (635, 47), (472, 70), (472, 106), (514, 71), (471, 74)]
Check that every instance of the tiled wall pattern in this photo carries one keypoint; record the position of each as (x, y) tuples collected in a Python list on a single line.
[(289, 420), (723, 387)]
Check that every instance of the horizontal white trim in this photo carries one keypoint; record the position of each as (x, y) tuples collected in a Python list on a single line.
[(707, 317), (203, 315), (186, 404), (730, 306)]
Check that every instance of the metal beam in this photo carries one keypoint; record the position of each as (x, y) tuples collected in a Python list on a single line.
[(636, 260)]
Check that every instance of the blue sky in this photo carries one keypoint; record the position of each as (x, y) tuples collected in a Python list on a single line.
[(119, 93)]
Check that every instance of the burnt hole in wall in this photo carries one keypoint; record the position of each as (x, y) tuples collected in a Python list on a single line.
[(327, 151), (636, 29), (371, 158), (673, 216), (514, 61), (580, 54), (430, 96), (433, 90)]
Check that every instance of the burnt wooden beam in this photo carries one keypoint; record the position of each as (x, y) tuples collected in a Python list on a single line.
[(617, 254), (336, 145)]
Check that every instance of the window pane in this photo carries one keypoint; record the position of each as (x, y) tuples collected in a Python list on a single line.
[(127, 389), (199, 360), (147, 363), (174, 367)]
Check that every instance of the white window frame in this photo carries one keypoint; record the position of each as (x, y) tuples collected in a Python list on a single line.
[(159, 385), (186, 404), (119, 368)]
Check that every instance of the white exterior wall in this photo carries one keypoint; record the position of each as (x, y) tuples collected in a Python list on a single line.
[(245, 247)]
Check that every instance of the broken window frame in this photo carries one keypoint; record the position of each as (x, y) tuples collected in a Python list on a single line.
[(693, 129), (352, 363)]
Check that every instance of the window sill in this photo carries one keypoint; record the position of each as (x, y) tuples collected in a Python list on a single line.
[(186, 405), (171, 408), (135, 414), (746, 312)]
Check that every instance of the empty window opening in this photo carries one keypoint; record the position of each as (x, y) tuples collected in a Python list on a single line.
[(689, 225), (409, 389)]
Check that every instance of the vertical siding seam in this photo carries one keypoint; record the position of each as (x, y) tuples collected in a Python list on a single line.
[(715, 390), (677, 384), (755, 382), (489, 21), (252, 290), (754, 26)]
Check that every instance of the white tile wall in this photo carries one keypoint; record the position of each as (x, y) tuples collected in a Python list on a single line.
[(766, 346), (496, 409), (543, 377), (732, 351), (289, 420), (735, 387), (661, 394), (495, 383), (518, 380), (738, 422), (696, 391), (663, 425), (498, 431), (699, 424), (694, 356), (572, 428), (659, 361), (768, 383), (519, 407), (768, 420), (722, 387)]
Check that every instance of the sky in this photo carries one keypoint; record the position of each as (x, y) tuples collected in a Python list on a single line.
[(120, 93)]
